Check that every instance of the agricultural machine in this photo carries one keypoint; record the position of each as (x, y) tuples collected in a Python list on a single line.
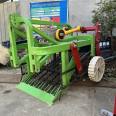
[(49, 54)]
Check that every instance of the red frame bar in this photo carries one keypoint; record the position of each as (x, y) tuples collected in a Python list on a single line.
[(95, 28), (114, 113), (85, 29), (76, 57), (97, 39)]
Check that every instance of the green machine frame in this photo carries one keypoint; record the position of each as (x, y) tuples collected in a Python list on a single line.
[(37, 54)]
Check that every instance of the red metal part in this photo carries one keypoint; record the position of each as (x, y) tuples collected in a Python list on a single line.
[(85, 29), (114, 114), (76, 57), (97, 39), (95, 28)]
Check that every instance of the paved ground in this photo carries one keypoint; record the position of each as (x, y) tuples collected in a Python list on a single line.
[(9, 75), (77, 101)]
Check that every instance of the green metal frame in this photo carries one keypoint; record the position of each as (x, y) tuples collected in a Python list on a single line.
[(37, 54)]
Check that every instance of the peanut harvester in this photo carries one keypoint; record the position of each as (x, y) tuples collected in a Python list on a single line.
[(49, 54)]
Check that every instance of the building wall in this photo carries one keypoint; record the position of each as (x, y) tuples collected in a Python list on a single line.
[(24, 8), (5, 10), (80, 11)]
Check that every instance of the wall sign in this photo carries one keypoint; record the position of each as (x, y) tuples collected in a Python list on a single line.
[(52, 11)]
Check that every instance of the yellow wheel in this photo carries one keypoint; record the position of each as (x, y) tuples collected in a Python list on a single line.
[(60, 34)]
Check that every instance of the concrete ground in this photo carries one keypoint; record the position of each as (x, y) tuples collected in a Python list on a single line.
[(81, 99), (76, 101)]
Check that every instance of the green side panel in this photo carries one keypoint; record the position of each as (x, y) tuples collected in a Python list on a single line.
[(38, 93)]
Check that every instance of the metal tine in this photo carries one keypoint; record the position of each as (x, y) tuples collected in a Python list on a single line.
[(36, 83), (48, 88), (41, 82), (28, 79), (45, 83), (50, 81), (41, 79), (48, 84), (24, 78), (42, 85), (55, 83), (55, 78), (55, 88), (38, 77), (47, 68), (50, 78), (32, 79), (50, 74), (58, 89), (52, 89), (44, 78)]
